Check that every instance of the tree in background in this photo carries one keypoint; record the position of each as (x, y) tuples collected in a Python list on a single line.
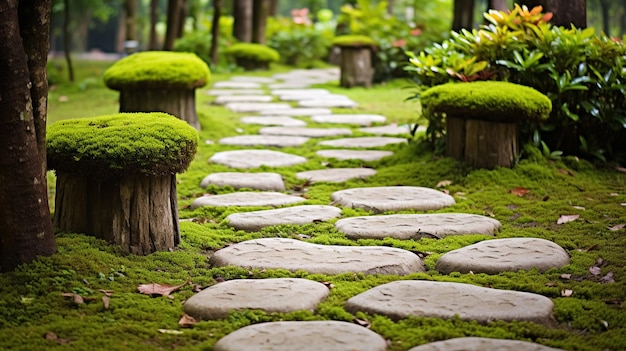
[(215, 31), (154, 19), (242, 14), (176, 14), (566, 12), (260, 11), (463, 15)]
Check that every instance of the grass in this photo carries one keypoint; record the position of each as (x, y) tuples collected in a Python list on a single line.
[(35, 315)]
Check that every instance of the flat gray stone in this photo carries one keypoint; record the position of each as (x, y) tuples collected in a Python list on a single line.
[(361, 119), (296, 111), (309, 96), (336, 175), (264, 140), (252, 79), (386, 130), (363, 142), (393, 198), (225, 99), (416, 226), (247, 198), (221, 92), (482, 344), (294, 255), (504, 255), (257, 181), (282, 295), (273, 121), (256, 158), (299, 215), (404, 298), (237, 85), (364, 155), (257, 106), (327, 102), (302, 336), (302, 92), (305, 132), (296, 85)]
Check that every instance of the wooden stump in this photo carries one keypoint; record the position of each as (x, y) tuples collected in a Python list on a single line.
[(139, 213), (356, 67), (177, 102)]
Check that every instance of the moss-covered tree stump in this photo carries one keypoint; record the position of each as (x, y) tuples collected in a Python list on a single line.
[(159, 81), (116, 177), (482, 118), (252, 56), (356, 60)]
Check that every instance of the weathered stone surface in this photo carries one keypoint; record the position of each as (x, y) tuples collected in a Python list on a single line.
[(309, 96), (220, 92), (392, 198), (327, 102), (273, 121), (416, 226), (404, 298), (257, 106), (294, 255), (295, 85), (238, 180), (264, 140), (257, 220), (302, 336), (336, 175), (363, 142), (361, 120), (256, 158), (296, 111), (387, 130), (305, 132), (303, 92), (247, 198), (500, 255), (282, 295), (364, 155), (482, 344), (225, 99), (237, 85), (253, 79)]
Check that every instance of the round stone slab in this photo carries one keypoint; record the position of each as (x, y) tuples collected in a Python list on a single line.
[(281, 295), (302, 336), (238, 180), (256, 158), (504, 255), (482, 344), (363, 142), (328, 102), (264, 140), (237, 85), (404, 298), (303, 92), (247, 198), (294, 255), (257, 106), (220, 92), (224, 99), (305, 132), (386, 130), (416, 226), (361, 120), (392, 198), (257, 220), (262, 80), (296, 111), (336, 175), (273, 121), (364, 155)]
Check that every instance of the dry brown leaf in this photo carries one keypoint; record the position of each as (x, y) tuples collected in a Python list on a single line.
[(565, 171), (329, 285), (608, 278), (595, 270), (106, 302), (566, 276), (187, 321), (77, 299), (567, 218), (567, 292), (53, 337), (617, 227), (519, 191), (106, 292), (362, 322), (155, 289), (443, 183), (552, 284)]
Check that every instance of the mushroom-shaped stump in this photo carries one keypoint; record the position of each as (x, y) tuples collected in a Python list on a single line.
[(116, 177), (356, 60), (159, 81), (482, 119), (252, 56)]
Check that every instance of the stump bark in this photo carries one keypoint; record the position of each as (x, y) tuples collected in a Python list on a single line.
[(139, 213), (356, 67), (177, 102)]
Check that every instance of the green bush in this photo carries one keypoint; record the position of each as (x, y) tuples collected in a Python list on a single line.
[(301, 45), (582, 73), (253, 52), (354, 40)]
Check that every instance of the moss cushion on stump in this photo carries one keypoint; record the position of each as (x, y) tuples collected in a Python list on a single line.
[(159, 81), (116, 177), (356, 60), (252, 56), (482, 119)]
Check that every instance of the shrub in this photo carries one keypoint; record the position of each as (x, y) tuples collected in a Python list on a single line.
[(354, 40), (300, 44), (253, 52)]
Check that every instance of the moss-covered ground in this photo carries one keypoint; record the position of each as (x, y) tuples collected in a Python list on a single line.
[(589, 304)]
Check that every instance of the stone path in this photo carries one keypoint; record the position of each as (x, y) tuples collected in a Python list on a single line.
[(285, 105)]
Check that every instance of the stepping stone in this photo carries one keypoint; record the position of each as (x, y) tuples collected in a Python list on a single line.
[(386, 130), (404, 298), (504, 255), (295, 85), (303, 92), (363, 155), (328, 102), (392, 198), (264, 140), (237, 85), (282, 295), (294, 255), (302, 336), (238, 180), (363, 142), (273, 121), (361, 120), (482, 344), (296, 111), (305, 132), (336, 175), (246, 198), (256, 158), (416, 226), (309, 96), (299, 215), (257, 106), (224, 99), (220, 92), (253, 79)]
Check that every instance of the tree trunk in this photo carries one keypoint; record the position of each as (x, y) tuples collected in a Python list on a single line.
[(463, 15), (356, 67), (153, 41), (177, 102), (25, 226), (67, 39), (259, 20), (215, 30), (273, 8), (566, 12), (130, 7), (623, 22), (605, 7), (498, 5), (242, 13), (182, 18), (173, 23)]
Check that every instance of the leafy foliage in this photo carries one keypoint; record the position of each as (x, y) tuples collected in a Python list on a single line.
[(199, 42), (253, 51)]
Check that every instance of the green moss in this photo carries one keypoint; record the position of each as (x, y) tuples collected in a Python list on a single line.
[(122, 144), (353, 41), (253, 52), (158, 69), (490, 100)]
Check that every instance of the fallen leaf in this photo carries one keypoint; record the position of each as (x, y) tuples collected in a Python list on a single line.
[(169, 331), (567, 218), (53, 337), (551, 284), (605, 324), (519, 191), (565, 171), (329, 285), (579, 208), (621, 169), (106, 292), (443, 183), (566, 276), (608, 278), (617, 227), (595, 270), (362, 322), (155, 289), (614, 194), (187, 321), (77, 299), (105, 302), (567, 292)]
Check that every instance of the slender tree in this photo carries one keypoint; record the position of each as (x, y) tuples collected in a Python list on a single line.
[(242, 13), (215, 30), (605, 8), (67, 39), (130, 8), (260, 10), (499, 5), (174, 10), (154, 19), (566, 12), (463, 15)]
